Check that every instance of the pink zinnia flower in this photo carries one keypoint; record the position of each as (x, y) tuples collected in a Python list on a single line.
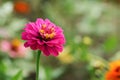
[(15, 48), (45, 36)]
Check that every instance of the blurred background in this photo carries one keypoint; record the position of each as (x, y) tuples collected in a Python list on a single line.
[(91, 28)]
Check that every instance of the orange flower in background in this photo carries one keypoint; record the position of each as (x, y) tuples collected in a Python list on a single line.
[(21, 7), (114, 71)]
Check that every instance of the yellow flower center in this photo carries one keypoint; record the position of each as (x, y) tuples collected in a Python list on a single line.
[(47, 33), (15, 42)]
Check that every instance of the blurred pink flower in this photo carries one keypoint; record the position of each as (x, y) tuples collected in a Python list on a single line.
[(5, 46), (15, 48), (45, 36)]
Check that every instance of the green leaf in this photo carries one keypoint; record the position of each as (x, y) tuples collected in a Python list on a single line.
[(17, 76), (111, 43), (2, 67), (48, 73)]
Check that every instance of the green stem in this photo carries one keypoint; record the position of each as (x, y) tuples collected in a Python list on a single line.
[(37, 64)]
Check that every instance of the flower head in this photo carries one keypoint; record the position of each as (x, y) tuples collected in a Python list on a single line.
[(45, 36), (22, 7), (87, 40), (14, 48), (114, 71)]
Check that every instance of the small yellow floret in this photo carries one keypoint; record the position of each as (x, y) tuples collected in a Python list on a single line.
[(52, 35), (41, 31), (46, 35), (87, 40)]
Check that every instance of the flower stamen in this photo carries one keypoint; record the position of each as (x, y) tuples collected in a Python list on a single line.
[(52, 35), (47, 33), (52, 29), (41, 31), (43, 25)]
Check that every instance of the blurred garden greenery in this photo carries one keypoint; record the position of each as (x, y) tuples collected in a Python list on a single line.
[(91, 29)]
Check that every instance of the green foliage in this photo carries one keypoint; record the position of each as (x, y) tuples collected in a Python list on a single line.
[(111, 44), (18, 76)]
